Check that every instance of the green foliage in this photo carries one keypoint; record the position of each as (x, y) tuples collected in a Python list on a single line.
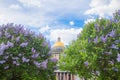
[(24, 55), (96, 52)]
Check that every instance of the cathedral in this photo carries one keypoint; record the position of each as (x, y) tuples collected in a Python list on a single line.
[(57, 49)]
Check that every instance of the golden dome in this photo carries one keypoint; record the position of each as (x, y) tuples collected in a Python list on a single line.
[(58, 43)]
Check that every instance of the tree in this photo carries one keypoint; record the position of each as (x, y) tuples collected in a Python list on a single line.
[(96, 52), (24, 55)]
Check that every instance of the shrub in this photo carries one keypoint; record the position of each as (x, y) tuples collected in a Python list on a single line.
[(24, 55)]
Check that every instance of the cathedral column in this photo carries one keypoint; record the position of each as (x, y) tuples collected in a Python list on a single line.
[(56, 76), (71, 76), (67, 76), (64, 77)]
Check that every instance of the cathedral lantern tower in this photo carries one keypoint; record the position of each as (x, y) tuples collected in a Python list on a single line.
[(57, 48)]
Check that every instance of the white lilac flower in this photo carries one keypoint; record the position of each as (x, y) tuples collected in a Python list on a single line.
[(107, 52), (6, 67), (115, 69), (15, 58)]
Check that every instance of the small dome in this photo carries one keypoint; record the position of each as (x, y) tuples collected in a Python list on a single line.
[(58, 43), (58, 46)]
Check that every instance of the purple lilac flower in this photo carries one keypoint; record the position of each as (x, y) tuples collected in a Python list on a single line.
[(25, 59), (6, 67), (112, 33), (53, 60), (33, 50), (10, 44), (24, 44), (6, 57), (44, 64), (118, 57), (2, 46), (96, 27), (2, 61), (1, 52), (17, 64), (117, 41), (107, 52), (97, 72), (114, 46), (37, 64), (44, 44), (0, 34), (18, 39), (49, 53), (118, 12), (86, 63), (35, 55), (96, 40), (111, 20), (14, 62), (104, 38), (40, 36), (89, 40), (7, 34)]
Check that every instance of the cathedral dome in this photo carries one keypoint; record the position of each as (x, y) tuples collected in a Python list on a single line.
[(58, 46)]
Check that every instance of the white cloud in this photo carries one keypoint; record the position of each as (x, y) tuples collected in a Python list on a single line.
[(40, 12), (44, 29), (15, 6), (89, 20), (31, 3), (103, 8), (71, 23), (67, 35)]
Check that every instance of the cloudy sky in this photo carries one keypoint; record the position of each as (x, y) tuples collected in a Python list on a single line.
[(56, 18)]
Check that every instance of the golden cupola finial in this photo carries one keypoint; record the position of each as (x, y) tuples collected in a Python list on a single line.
[(59, 43)]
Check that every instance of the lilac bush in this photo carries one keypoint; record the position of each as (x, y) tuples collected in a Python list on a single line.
[(96, 52), (24, 55)]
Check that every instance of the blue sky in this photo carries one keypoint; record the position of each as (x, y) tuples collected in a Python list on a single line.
[(56, 18)]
